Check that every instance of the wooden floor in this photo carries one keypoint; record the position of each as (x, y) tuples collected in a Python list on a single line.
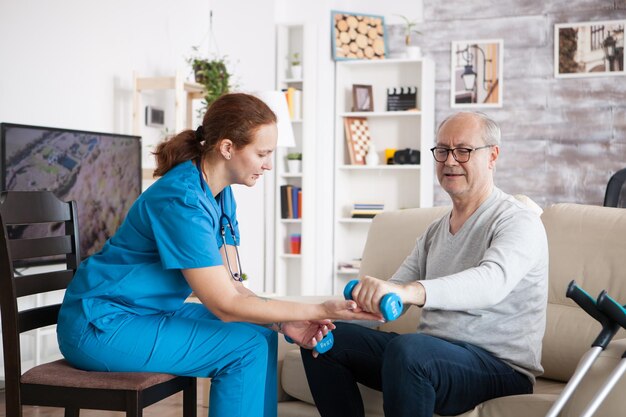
[(170, 407)]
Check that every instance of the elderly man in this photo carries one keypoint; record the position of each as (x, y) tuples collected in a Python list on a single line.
[(480, 274)]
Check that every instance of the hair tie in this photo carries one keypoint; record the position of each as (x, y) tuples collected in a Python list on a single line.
[(200, 134)]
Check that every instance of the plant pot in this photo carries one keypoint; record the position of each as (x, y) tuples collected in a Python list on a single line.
[(296, 71), (294, 166), (413, 52)]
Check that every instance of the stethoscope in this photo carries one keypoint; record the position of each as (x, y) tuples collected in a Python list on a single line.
[(225, 223)]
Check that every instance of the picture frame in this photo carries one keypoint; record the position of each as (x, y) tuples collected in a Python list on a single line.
[(589, 49), (362, 97), (476, 73), (357, 139), (357, 36)]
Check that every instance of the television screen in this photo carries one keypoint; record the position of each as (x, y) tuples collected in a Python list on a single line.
[(100, 171)]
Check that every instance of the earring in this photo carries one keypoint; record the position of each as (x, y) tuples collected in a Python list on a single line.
[(228, 156)]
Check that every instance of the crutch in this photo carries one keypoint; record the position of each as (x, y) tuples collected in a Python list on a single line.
[(609, 328), (617, 313)]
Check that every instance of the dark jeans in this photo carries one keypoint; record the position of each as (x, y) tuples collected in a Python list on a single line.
[(418, 374)]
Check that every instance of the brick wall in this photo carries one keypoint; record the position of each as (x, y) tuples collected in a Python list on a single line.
[(562, 138)]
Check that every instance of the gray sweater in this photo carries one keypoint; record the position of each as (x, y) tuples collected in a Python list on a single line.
[(487, 284)]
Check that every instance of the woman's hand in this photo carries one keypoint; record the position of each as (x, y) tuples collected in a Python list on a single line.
[(349, 310)]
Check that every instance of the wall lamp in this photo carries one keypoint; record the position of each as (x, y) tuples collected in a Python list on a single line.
[(609, 46), (469, 75)]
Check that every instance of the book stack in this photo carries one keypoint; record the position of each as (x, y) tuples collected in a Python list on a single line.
[(366, 210), (401, 98), (351, 267), (290, 202), (294, 102)]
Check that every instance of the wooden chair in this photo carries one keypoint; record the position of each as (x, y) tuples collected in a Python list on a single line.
[(58, 384)]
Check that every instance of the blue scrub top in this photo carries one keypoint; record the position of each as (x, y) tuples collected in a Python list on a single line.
[(173, 225)]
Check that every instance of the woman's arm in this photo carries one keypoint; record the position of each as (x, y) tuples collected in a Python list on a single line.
[(218, 292)]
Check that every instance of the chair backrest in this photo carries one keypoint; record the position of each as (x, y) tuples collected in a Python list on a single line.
[(615, 195), (17, 210)]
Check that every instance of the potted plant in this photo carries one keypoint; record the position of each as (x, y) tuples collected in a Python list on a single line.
[(296, 66), (212, 74), (294, 162), (412, 51)]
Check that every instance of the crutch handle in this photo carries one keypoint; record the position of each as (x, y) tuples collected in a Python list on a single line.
[(587, 303), (612, 308)]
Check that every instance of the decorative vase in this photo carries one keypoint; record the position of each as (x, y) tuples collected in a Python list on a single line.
[(372, 158), (294, 166), (296, 71), (413, 52)]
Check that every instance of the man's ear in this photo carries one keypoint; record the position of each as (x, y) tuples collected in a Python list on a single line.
[(493, 156)]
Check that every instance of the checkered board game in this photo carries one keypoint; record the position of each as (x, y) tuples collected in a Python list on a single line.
[(357, 138)]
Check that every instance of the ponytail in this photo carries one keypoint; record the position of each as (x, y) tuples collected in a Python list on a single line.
[(180, 148)]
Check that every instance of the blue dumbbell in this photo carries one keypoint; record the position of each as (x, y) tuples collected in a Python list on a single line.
[(323, 345), (390, 304)]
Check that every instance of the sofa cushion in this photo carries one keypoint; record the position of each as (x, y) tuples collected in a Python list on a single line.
[(586, 244), (392, 236)]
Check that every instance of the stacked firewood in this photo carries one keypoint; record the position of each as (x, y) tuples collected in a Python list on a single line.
[(359, 37)]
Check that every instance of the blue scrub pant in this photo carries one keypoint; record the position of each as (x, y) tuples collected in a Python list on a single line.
[(418, 374), (240, 358)]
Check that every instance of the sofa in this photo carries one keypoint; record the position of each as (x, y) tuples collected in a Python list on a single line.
[(586, 243)]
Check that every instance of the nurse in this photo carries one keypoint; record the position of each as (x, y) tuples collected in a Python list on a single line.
[(125, 308)]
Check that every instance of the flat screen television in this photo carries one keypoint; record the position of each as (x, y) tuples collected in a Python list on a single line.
[(100, 171)]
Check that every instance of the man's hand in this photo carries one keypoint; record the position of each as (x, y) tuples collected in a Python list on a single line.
[(369, 291)]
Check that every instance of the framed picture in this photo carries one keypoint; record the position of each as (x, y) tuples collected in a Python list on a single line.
[(357, 139), (589, 49), (362, 99), (476, 73), (357, 36)]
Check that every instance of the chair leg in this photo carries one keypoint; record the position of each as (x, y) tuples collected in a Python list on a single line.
[(133, 405), (190, 399), (72, 412)]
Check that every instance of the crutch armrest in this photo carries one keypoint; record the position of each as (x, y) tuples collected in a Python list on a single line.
[(587, 303), (612, 308)]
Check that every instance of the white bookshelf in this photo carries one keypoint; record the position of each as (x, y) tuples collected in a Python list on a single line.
[(395, 186), (294, 274)]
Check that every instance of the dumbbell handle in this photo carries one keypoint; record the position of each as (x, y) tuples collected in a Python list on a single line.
[(322, 346), (390, 304), (590, 306)]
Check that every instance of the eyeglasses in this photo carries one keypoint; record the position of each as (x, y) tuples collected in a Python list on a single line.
[(459, 154)]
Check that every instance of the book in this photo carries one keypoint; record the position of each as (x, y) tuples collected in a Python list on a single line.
[(284, 209), (289, 202), (294, 202), (297, 104), (300, 203)]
